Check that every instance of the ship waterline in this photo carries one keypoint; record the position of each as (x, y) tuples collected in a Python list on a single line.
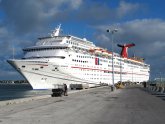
[(71, 60)]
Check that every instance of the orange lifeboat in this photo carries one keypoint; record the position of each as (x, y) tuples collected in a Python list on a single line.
[(105, 52), (98, 51)]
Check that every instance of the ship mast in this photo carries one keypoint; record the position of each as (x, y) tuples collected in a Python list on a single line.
[(56, 32)]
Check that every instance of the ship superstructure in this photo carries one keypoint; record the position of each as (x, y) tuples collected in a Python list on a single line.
[(68, 59)]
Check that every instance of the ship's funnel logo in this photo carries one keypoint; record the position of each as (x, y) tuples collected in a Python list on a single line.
[(124, 52)]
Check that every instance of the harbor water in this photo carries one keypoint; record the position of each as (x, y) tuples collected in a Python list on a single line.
[(16, 91)]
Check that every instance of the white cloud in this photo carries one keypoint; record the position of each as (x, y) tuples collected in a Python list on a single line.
[(126, 8), (147, 34), (103, 37), (53, 7), (30, 15), (3, 32), (75, 4)]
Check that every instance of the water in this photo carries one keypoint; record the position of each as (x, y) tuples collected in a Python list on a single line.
[(16, 91)]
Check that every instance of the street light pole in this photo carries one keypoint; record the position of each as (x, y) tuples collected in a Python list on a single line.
[(120, 70), (132, 75), (160, 76), (112, 31)]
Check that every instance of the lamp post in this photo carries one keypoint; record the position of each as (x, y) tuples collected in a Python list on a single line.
[(160, 76), (112, 31), (132, 75), (120, 70)]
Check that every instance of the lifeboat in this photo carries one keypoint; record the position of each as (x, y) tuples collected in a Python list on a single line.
[(105, 52), (98, 51), (109, 53), (91, 50)]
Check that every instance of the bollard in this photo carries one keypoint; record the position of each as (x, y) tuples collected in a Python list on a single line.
[(150, 88), (154, 88), (162, 91), (158, 89), (112, 88), (144, 84)]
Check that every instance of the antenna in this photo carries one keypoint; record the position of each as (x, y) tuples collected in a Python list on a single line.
[(134, 55), (56, 32), (84, 32), (13, 50)]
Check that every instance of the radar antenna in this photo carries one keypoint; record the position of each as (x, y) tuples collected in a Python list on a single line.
[(56, 32)]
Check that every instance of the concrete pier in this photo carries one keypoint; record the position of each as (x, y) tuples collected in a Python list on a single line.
[(131, 105)]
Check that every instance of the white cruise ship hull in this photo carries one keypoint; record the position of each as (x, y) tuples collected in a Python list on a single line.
[(44, 74)]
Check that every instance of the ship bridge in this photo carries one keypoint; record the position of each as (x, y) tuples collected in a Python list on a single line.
[(46, 51)]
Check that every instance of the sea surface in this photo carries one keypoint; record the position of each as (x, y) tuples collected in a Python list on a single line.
[(16, 91)]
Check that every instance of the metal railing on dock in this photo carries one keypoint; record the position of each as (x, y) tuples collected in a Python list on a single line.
[(156, 86)]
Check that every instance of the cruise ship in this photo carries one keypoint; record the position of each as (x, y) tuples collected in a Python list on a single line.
[(59, 59)]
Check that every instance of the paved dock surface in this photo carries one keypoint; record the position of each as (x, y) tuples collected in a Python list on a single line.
[(131, 105)]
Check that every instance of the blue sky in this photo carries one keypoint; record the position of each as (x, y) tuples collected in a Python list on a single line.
[(139, 21)]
